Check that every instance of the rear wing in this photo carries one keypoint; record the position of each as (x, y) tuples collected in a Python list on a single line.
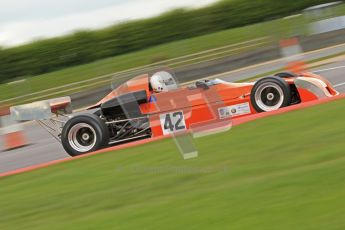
[(42, 110)]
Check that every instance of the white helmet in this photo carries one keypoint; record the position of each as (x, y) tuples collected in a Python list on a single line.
[(163, 82)]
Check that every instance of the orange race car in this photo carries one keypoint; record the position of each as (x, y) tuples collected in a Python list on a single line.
[(155, 105)]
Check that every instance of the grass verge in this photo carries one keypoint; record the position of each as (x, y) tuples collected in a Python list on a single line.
[(282, 172)]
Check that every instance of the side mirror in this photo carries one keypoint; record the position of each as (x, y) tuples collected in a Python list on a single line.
[(202, 85)]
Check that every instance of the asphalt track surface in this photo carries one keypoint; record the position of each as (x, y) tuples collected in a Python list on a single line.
[(43, 148)]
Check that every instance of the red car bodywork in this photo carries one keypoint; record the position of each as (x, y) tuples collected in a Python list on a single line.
[(202, 108)]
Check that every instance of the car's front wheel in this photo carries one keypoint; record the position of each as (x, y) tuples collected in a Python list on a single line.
[(270, 94), (83, 134)]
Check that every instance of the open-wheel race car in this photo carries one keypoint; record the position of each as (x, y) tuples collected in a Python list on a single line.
[(154, 105)]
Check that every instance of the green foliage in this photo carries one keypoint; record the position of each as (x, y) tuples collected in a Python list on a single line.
[(87, 46)]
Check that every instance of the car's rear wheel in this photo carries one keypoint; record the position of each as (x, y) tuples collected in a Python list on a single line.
[(83, 134), (270, 94), (286, 75)]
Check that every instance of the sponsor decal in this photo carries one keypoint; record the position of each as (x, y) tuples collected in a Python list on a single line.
[(234, 110), (224, 112)]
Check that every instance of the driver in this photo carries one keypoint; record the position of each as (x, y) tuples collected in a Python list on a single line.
[(163, 82)]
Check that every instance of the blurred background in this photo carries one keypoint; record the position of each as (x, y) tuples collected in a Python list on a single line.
[(75, 47)]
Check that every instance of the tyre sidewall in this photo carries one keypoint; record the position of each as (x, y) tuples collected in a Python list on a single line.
[(274, 80), (101, 130)]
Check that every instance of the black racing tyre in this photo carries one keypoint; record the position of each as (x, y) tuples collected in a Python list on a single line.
[(270, 93), (286, 75), (83, 134)]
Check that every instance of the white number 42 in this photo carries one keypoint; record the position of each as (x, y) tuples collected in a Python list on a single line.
[(172, 122)]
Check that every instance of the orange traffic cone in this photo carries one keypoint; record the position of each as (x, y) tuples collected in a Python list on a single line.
[(11, 130)]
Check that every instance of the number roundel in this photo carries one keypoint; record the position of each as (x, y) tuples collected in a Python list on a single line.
[(172, 122)]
